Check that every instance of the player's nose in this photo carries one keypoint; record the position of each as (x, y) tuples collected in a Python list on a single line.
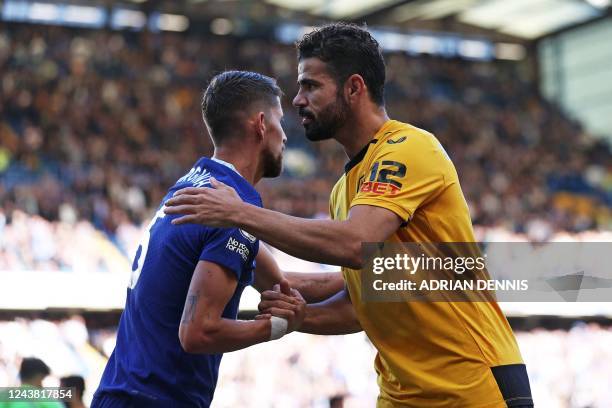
[(299, 100)]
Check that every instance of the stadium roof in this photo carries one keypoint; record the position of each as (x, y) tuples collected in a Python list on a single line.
[(498, 20), (527, 19)]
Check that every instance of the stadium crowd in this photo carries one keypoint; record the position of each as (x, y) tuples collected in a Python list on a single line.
[(309, 370), (95, 125)]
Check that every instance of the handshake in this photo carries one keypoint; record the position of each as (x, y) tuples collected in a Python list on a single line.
[(284, 307)]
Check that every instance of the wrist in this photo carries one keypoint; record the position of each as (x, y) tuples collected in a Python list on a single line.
[(278, 327), (241, 215), (312, 316)]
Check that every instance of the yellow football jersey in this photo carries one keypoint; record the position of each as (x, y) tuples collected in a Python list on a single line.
[(429, 354)]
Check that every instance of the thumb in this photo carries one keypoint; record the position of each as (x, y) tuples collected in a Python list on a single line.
[(216, 184), (263, 316), (285, 288)]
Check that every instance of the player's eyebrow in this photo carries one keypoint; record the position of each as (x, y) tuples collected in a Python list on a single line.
[(308, 81)]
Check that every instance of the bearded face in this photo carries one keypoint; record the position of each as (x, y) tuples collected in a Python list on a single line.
[(272, 163), (272, 154), (324, 124)]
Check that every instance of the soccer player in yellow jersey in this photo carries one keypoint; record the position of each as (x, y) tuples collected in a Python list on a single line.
[(398, 186)]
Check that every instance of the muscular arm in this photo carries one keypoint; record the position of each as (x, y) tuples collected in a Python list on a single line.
[(314, 287), (325, 241), (332, 316), (202, 329)]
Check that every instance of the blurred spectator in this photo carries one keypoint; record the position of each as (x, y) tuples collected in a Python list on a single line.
[(567, 368), (64, 345), (78, 384), (32, 373), (337, 401), (30, 242)]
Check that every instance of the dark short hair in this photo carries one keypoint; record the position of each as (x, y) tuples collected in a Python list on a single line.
[(230, 93), (347, 49), (32, 367), (74, 381)]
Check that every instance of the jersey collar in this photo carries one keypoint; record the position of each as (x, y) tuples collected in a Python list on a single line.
[(358, 157), (226, 164)]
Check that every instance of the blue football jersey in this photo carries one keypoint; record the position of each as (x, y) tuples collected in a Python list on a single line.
[(148, 361)]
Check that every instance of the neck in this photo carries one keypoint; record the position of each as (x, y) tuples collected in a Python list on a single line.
[(247, 166), (34, 383), (360, 130)]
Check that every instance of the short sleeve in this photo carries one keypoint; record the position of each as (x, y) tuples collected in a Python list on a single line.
[(231, 248), (404, 175)]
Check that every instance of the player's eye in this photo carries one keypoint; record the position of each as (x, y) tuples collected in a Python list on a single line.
[(306, 86)]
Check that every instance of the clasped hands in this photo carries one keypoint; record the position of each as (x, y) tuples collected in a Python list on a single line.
[(285, 302)]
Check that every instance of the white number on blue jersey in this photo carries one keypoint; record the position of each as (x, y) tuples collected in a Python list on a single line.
[(143, 248)]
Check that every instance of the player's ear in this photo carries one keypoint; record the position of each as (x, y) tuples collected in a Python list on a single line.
[(354, 87), (260, 125)]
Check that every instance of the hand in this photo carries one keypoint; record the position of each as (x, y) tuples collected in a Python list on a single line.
[(215, 206), (283, 301)]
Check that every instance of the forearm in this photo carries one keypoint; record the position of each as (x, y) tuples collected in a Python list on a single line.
[(225, 335), (332, 316), (316, 287), (324, 241)]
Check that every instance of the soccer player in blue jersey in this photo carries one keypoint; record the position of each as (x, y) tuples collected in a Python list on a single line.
[(186, 282)]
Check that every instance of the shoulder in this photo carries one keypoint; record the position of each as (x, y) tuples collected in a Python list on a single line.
[(337, 189), (409, 142), (338, 184), (403, 134), (231, 178)]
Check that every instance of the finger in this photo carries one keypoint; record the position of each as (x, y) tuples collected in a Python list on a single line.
[(284, 313), (182, 199), (271, 295), (284, 287), (216, 184), (267, 304), (263, 316), (181, 209), (189, 190), (295, 293), (186, 219), (276, 288), (278, 304)]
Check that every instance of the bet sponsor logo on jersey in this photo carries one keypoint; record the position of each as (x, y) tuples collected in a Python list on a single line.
[(384, 178)]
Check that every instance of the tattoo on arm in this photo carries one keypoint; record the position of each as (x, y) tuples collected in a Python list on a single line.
[(190, 307)]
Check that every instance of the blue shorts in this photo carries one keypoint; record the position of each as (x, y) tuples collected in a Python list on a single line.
[(123, 400), (114, 400)]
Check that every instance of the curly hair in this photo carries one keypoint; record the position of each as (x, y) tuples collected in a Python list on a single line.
[(347, 49)]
